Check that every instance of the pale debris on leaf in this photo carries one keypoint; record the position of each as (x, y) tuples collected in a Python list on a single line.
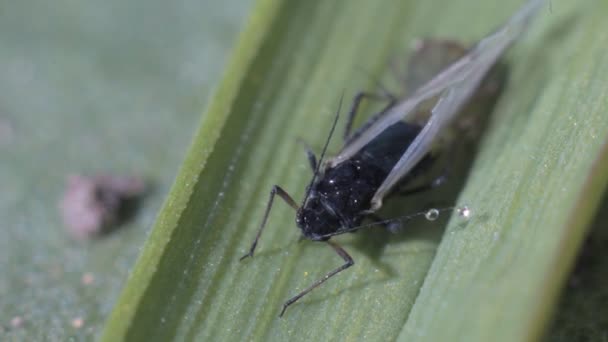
[(92, 205), (77, 322), (16, 322), (88, 278)]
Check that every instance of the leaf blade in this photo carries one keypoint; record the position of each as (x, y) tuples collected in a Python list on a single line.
[(290, 89)]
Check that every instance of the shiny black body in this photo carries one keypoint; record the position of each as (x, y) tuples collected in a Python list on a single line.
[(339, 197)]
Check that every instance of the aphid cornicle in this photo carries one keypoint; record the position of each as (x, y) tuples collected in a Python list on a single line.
[(394, 147)]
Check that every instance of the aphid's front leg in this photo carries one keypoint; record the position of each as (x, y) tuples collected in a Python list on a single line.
[(348, 263), (276, 190), (357, 102)]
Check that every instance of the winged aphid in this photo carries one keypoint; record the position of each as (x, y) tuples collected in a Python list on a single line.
[(390, 150)]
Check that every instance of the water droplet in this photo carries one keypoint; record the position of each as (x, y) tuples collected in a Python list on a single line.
[(464, 212), (432, 214)]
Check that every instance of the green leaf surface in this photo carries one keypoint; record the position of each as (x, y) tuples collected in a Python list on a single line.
[(534, 185), (88, 87), (582, 314)]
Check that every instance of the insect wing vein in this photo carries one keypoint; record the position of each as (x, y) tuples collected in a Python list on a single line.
[(458, 82)]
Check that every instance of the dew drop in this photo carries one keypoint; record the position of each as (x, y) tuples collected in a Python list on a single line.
[(464, 212), (432, 214)]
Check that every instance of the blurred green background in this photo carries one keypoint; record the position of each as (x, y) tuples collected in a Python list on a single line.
[(86, 87)]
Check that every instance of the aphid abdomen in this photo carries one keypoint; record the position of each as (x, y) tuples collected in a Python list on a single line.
[(386, 149), (346, 190)]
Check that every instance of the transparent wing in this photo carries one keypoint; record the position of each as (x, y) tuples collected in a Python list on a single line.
[(406, 108), (429, 57), (454, 85)]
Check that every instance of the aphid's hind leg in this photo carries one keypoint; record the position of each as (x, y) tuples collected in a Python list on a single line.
[(276, 190), (384, 96), (312, 159), (348, 263)]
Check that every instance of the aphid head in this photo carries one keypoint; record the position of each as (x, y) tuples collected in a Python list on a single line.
[(316, 219)]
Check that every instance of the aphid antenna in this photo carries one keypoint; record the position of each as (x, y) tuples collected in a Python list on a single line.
[(320, 162), (430, 214)]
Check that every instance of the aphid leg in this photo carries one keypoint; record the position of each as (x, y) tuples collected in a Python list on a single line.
[(312, 159), (276, 190), (348, 263), (357, 101), (424, 187)]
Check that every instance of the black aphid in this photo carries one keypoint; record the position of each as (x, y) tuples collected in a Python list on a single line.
[(337, 198), (392, 149)]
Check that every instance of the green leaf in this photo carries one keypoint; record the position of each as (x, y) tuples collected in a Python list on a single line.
[(535, 183), (87, 87), (581, 314)]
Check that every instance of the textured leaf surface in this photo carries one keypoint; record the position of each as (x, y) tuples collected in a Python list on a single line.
[(581, 314), (534, 185), (86, 87)]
